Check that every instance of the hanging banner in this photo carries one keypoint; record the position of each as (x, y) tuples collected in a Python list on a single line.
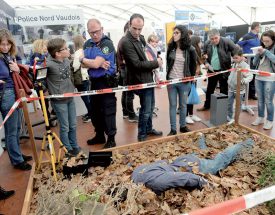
[(48, 17), (46, 24)]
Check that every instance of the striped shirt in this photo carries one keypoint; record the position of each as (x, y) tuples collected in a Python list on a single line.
[(178, 67)]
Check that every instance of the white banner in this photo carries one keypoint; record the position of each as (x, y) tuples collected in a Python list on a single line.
[(49, 17)]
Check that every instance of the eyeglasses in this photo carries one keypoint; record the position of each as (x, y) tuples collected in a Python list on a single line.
[(60, 50), (93, 33), (176, 32), (266, 41)]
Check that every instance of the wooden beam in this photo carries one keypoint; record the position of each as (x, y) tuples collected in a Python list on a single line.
[(254, 131), (29, 192), (178, 137)]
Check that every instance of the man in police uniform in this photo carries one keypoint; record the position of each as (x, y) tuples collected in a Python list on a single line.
[(99, 58)]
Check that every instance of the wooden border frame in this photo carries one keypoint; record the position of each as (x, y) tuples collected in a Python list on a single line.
[(29, 192)]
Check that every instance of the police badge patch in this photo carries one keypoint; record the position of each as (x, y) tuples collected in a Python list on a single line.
[(105, 50)]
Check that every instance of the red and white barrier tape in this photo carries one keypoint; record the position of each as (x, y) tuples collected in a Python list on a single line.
[(238, 204), (132, 87), (138, 86)]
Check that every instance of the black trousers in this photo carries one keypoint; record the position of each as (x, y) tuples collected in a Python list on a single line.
[(127, 102), (252, 89), (212, 84), (103, 109)]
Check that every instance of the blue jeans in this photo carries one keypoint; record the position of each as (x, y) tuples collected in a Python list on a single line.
[(85, 86), (224, 158), (66, 115), (181, 90), (147, 104), (265, 92), (231, 98), (12, 127)]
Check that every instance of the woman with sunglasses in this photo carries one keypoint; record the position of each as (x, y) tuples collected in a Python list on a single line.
[(181, 63)]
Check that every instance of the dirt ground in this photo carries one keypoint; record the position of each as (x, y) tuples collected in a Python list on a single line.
[(111, 191)]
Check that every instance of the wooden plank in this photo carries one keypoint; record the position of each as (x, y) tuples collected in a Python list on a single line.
[(254, 131), (29, 192), (177, 137)]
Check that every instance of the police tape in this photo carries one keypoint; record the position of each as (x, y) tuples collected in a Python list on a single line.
[(239, 204), (132, 87), (138, 86)]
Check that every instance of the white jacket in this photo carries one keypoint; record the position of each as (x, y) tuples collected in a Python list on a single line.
[(246, 77)]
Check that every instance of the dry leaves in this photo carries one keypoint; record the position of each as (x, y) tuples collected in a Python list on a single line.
[(238, 179)]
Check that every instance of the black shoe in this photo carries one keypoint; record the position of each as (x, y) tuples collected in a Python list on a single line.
[(172, 132), (252, 98), (154, 132), (86, 119), (23, 166), (4, 194), (141, 139), (133, 119), (27, 158), (184, 129), (110, 144), (96, 140), (125, 116), (202, 109), (74, 152)]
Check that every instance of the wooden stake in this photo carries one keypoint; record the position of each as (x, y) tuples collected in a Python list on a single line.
[(29, 125), (238, 97)]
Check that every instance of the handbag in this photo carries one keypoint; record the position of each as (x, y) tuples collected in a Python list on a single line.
[(77, 77), (193, 97)]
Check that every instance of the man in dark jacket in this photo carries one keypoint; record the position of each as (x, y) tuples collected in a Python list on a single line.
[(140, 72), (218, 51)]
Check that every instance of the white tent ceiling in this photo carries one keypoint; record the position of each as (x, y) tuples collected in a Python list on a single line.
[(112, 12)]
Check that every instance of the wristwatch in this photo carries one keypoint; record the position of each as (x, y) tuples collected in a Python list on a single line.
[(81, 59)]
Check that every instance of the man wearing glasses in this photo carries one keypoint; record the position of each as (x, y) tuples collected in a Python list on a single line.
[(140, 72), (99, 58)]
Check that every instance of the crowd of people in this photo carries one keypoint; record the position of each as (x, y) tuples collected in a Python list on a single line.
[(95, 66)]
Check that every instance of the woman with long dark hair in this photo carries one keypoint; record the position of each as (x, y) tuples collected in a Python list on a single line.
[(181, 62), (7, 99), (265, 60)]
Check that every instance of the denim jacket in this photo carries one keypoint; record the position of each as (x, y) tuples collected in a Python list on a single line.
[(269, 54)]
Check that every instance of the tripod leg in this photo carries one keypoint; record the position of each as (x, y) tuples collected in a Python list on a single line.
[(52, 152), (61, 147), (42, 151)]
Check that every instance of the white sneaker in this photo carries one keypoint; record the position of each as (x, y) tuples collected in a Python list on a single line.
[(268, 125), (228, 119), (189, 120), (258, 121), (195, 118), (231, 121)]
